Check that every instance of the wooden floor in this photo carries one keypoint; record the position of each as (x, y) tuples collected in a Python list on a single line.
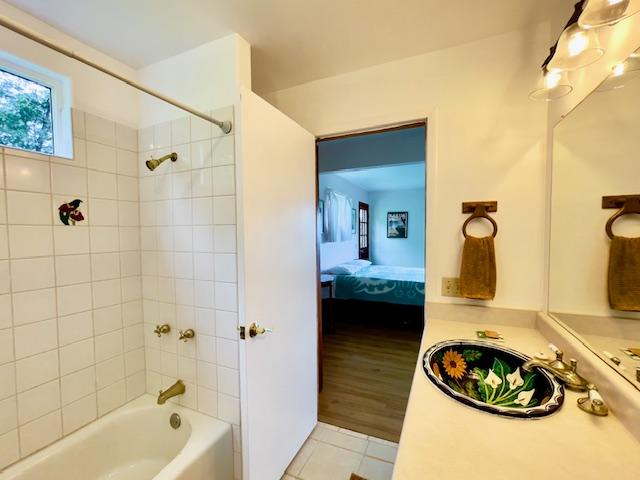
[(367, 377)]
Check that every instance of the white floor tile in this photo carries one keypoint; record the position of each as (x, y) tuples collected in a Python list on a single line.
[(373, 469), (353, 434), (302, 457), (342, 440), (329, 462), (381, 451), (333, 453)]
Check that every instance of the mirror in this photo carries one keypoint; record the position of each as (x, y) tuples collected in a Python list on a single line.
[(596, 153)]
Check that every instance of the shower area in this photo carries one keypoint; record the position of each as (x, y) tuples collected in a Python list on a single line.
[(133, 230)]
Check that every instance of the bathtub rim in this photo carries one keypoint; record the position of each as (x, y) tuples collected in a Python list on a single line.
[(205, 432)]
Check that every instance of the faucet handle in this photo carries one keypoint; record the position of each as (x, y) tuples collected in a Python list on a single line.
[(593, 403), (162, 329), (574, 364), (559, 353), (185, 335)]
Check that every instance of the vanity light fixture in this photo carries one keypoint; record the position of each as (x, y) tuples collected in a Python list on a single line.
[(553, 85), (599, 13), (577, 48)]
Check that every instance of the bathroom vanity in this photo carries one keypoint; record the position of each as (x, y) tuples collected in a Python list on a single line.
[(443, 438)]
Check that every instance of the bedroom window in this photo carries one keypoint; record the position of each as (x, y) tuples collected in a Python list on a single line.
[(35, 113), (363, 231)]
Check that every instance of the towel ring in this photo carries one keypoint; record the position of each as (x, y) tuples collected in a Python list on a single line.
[(479, 210), (630, 204)]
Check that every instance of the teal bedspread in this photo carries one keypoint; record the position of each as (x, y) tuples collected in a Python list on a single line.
[(380, 283)]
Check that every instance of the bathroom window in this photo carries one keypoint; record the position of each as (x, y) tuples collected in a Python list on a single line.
[(34, 110), (25, 114)]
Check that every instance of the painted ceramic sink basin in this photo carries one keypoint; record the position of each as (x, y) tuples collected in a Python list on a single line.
[(490, 378)]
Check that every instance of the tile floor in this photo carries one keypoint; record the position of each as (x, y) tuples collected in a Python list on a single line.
[(333, 453)]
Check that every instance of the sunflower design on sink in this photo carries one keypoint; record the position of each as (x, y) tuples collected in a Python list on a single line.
[(490, 378)]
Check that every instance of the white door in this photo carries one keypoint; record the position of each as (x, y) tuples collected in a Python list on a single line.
[(277, 287)]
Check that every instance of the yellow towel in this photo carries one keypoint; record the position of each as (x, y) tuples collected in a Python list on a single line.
[(478, 270), (624, 274)]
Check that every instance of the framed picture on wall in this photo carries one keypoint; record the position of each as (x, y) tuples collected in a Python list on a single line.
[(397, 224), (354, 220)]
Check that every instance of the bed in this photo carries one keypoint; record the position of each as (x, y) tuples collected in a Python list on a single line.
[(381, 283)]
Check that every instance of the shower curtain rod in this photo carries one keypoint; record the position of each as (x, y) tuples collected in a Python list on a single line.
[(225, 126)]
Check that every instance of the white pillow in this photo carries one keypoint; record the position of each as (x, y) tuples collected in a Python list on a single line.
[(347, 268), (362, 263)]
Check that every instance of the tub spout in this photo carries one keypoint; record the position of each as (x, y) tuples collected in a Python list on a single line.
[(175, 389)]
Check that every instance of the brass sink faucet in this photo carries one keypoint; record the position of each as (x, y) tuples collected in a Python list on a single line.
[(568, 375), (177, 388)]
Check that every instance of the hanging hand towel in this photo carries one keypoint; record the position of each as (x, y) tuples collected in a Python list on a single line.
[(624, 274), (478, 270)]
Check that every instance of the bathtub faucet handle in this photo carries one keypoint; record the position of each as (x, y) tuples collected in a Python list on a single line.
[(162, 329), (185, 335)]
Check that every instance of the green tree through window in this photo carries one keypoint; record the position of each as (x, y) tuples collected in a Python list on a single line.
[(25, 114)]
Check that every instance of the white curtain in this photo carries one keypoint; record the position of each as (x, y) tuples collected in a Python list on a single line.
[(337, 217)]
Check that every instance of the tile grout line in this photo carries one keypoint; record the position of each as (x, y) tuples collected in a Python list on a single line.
[(56, 303), (91, 227), (13, 336)]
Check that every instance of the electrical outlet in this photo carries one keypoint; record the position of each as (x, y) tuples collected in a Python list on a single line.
[(451, 287)]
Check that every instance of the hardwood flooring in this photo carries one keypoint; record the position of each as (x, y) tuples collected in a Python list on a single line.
[(368, 368)]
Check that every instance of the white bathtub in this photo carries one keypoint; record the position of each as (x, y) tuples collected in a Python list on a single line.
[(136, 442)]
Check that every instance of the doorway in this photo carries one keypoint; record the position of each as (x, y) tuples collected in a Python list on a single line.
[(371, 252)]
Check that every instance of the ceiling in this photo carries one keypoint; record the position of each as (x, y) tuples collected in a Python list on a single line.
[(393, 177), (293, 41)]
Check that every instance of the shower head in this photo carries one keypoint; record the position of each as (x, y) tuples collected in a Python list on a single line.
[(155, 162)]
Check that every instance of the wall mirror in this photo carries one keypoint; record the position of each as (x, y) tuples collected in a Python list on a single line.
[(596, 153)]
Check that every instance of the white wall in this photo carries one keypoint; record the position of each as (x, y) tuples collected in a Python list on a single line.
[(92, 91), (207, 77), (486, 141), (401, 252), (335, 253)]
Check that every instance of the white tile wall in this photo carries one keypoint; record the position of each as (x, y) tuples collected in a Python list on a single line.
[(71, 318), (188, 236)]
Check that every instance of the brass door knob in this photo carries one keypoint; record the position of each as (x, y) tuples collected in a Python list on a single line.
[(162, 329), (185, 335), (255, 329)]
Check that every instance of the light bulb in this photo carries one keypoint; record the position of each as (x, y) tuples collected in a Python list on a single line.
[(576, 48), (553, 86), (578, 43), (598, 13), (552, 79)]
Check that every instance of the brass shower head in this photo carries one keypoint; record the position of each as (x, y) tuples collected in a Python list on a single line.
[(155, 162)]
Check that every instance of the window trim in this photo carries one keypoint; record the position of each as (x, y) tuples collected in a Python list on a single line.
[(60, 87)]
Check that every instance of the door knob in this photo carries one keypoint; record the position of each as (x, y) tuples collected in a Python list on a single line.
[(255, 329)]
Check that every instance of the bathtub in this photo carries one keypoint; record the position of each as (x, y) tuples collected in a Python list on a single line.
[(136, 442)]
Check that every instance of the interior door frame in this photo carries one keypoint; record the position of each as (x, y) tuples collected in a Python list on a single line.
[(402, 125)]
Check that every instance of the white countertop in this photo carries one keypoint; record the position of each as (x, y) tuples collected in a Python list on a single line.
[(443, 439)]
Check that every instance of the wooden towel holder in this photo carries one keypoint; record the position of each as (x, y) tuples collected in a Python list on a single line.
[(626, 204), (480, 210)]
